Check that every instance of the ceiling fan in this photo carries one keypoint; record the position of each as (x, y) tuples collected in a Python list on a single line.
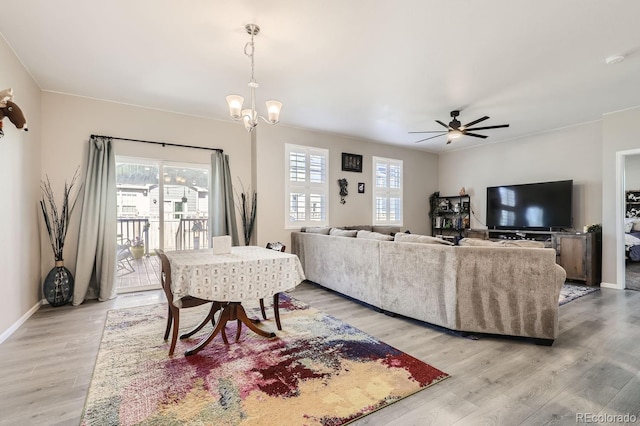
[(455, 130)]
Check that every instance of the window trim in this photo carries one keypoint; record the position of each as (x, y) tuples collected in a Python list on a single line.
[(307, 187), (387, 192)]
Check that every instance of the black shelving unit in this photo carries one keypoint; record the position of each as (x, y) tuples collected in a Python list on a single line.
[(450, 216)]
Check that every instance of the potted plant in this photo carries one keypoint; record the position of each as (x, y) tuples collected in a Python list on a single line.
[(58, 284), (137, 248), (248, 200)]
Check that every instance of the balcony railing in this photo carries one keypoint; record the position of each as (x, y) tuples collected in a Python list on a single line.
[(192, 234), (131, 228), (180, 234)]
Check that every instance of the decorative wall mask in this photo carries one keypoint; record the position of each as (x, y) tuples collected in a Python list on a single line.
[(343, 189)]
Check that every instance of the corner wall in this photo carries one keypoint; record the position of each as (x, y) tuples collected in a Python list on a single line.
[(20, 192), (420, 180), (69, 121), (569, 153), (620, 133)]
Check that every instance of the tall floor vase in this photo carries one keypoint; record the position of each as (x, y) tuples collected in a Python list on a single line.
[(58, 285)]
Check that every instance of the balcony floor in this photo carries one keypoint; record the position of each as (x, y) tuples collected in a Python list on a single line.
[(145, 275)]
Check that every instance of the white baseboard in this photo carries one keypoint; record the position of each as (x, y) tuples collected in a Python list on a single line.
[(8, 332), (610, 285)]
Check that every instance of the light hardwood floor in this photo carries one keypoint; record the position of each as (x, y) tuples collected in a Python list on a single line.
[(593, 367)]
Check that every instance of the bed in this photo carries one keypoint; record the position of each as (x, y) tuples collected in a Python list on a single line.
[(632, 239)]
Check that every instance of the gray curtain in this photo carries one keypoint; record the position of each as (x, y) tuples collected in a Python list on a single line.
[(221, 207), (96, 261)]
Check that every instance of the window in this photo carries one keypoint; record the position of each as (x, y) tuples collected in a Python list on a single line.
[(306, 186), (387, 191)]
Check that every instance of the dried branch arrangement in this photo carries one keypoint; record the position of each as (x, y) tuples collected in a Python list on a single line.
[(57, 221)]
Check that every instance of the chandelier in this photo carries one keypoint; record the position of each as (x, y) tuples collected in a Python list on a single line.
[(249, 116)]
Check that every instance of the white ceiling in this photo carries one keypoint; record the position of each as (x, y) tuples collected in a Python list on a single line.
[(373, 69)]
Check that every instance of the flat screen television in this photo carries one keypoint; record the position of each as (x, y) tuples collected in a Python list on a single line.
[(533, 206)]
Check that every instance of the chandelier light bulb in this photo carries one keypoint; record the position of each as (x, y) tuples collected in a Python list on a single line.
[(235, 105)]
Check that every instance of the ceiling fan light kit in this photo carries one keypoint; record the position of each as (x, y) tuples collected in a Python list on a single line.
[(455, 130), (249, 116)]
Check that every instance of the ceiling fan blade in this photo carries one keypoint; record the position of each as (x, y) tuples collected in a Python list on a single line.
[(442, 124), (489, 127), (475, 135), (486, 117), (431, 131), (432, 137)]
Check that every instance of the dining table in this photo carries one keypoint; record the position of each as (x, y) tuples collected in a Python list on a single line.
[(227, 279)]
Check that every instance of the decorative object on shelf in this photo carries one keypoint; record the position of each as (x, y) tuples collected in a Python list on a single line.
[(247, 205), (351, 162), (360, 187), (343, 189), (249, 116), (58, 284), (594, 227), (9, 109), (462, 192)]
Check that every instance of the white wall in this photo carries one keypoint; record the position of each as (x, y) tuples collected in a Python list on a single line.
[(69, 121), (632, 172), (620, 133), (20, 193), (570, 153), (420, 180)]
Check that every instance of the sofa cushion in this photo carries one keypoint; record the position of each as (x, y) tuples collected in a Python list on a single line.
[(374, 235), (505, 243), (316, 229), (343, 232), (389, 230), (424, 239), (357, 227)]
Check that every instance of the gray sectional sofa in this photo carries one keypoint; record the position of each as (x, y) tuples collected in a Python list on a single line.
[(479, 288)]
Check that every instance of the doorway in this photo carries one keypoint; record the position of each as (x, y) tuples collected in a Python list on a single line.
[(632, 221), (160, 205)]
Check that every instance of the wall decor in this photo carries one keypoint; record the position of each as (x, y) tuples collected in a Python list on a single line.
[(343, 189), (351, 162), (360, 187)]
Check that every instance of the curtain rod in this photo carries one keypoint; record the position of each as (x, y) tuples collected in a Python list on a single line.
[(158, 143)]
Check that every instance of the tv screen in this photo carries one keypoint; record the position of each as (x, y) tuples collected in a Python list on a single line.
[(535, 206)]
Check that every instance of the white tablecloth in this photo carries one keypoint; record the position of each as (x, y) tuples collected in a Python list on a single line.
[(247, 273)]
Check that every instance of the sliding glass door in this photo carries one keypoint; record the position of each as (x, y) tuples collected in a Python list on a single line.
[(161, 205)]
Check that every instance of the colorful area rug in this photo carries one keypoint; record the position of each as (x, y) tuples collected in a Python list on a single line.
[(571, 292), (317, 371)]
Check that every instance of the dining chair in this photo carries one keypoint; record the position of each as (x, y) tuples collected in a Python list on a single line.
[(173, 314), (276, 297)]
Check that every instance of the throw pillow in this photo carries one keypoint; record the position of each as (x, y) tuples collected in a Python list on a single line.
[(357, 227), (374, 236), (343, 232), (636, 225), (628, 224), (316, 230), (424, 239)]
